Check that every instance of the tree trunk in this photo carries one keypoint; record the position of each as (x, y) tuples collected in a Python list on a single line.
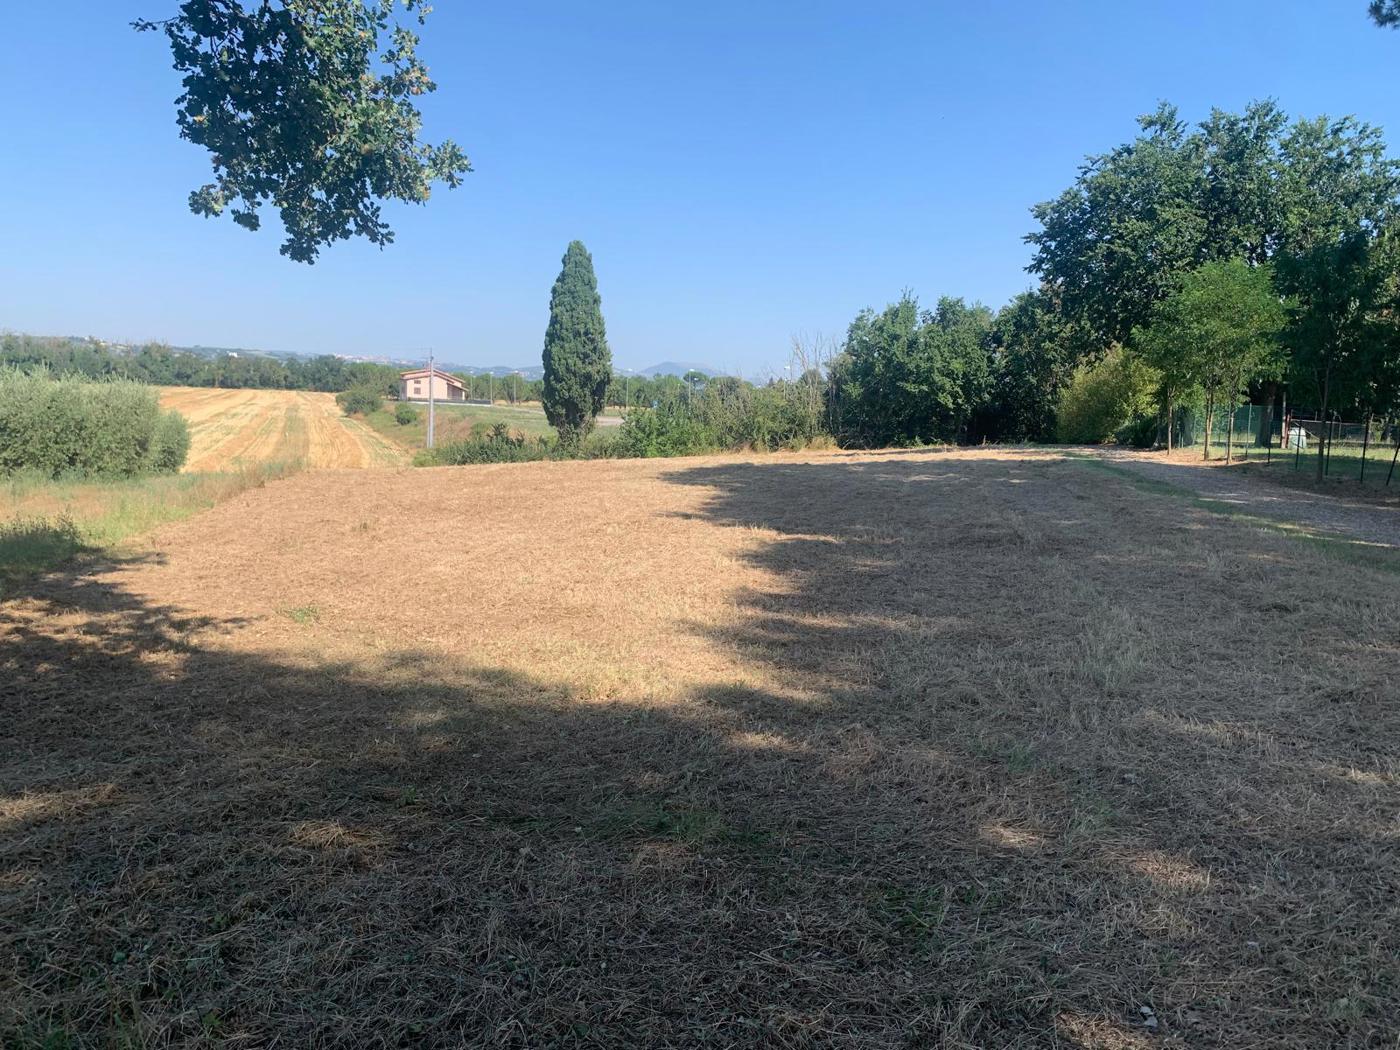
[(1365, 444), (1265, 434), (1169, 422), (1230, 431), (1210, 414), (1322, 418)]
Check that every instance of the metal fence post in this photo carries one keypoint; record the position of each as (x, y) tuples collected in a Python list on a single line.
[(1365, 444)]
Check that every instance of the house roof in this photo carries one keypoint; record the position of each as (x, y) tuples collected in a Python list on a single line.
[(421, 373)]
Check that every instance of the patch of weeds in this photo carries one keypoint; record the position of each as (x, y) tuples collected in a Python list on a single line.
[(912, 915), (692, 825), (34, 544), (407, 797), (1018, 757), (39, 1038), (1348, 1008), (981, 899), (1091, 815), (302, 614)]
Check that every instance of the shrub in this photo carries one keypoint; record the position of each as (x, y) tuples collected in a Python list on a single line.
[(499, 445), (170, 444), (671, 429), (405, 414), (73, 426), (360, 400), (1106, 400)]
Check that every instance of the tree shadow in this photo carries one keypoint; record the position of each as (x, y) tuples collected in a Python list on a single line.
[(990, 783)]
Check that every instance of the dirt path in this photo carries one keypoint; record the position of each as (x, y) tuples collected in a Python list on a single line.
[(1323, 513)]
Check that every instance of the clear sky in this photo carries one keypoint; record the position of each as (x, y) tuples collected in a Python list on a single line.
[(739, 170)]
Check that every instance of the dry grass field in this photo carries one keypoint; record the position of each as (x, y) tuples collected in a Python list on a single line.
[(965, 749), (233, 429)]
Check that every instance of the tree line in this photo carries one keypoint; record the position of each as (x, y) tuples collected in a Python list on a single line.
[(1194, 265), (160, 365)]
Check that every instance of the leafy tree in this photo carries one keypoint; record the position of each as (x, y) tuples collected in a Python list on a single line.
[(577, 362), (1116, 241), (1104, 400), (1219, 330), (909, 377), (1240, 205), (1338, 292), (1335, 179), (1036, 349), (309, 105)]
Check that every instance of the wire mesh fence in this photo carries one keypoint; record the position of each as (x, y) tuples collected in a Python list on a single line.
[(1363, 451)]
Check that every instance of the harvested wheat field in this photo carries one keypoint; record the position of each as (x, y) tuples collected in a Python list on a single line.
[(966, 749), (231, 429)]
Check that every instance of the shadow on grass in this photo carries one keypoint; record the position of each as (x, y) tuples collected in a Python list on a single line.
[(30, 545), (1014, 760)]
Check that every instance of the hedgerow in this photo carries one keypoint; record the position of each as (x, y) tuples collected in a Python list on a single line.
[(71, 426)]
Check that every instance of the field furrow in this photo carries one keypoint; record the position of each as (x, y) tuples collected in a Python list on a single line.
[(233, 429)]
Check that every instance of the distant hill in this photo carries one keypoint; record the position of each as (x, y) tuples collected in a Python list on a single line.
[(528, 371), (677, 368)]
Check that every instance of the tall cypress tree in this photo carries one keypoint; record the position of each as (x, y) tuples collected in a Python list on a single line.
[(577, 362)]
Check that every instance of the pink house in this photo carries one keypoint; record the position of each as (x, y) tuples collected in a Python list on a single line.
[(414, 386)]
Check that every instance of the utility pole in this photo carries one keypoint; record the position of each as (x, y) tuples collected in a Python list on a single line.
[(432, 375)]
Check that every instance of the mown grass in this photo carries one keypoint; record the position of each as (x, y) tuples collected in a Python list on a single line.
[(455, 423), (970, 748), (45, 522), (1353, 552)]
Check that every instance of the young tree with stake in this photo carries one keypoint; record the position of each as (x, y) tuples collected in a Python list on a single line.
[(1219, 330)]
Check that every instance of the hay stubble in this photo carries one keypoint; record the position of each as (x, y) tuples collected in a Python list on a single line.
[(964, 748)]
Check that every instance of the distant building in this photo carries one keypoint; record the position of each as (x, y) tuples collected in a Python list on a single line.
[(413, 386)]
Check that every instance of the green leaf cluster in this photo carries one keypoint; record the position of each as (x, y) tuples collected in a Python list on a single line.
[(311, 106)]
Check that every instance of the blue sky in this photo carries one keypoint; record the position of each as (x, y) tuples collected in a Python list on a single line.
[(740, 171)]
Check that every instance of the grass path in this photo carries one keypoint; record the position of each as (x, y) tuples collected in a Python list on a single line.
[(1240, 488)]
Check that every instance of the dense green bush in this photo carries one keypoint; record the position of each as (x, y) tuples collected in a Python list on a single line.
[(360, 400), (170, 444), (405, 414), (727, 414), (74, 426), (670, 429), (1106, 401), (498, 445)]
